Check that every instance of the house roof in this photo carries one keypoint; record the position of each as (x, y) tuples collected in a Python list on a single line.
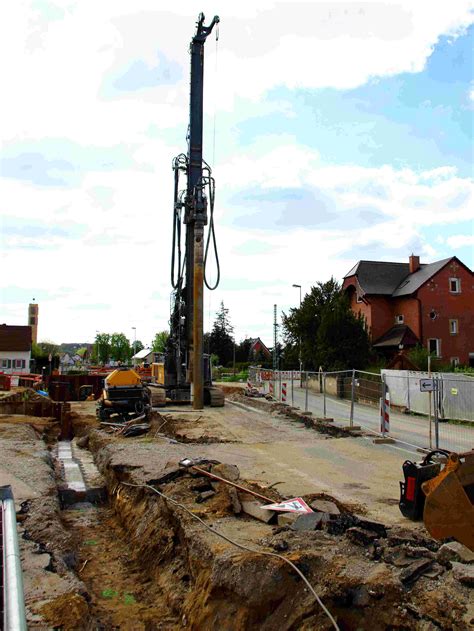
[(15, 338), (393, 279), (397, 335), (414, 281), (379, 277), (143, 353)]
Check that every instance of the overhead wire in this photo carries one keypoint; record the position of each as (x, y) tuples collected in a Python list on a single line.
[(242, 547)]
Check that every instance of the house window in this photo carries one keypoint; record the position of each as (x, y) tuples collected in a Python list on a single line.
[(399, 319), (359, 298), (453, 327), (454, 361), (434, 346), (455, 285), (5, 363)]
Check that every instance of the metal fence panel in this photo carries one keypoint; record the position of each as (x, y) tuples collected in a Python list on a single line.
[(457, 393)]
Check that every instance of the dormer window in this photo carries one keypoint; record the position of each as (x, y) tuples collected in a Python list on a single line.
[(399, 319), (455, 285)]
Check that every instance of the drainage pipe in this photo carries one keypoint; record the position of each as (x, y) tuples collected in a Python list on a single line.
[(14, 618)]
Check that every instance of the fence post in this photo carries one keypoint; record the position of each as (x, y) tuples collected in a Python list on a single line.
[(292, 388), (408, 391), (306, 393), (436, 419), (324, 395), (351, 420), (383, 400)]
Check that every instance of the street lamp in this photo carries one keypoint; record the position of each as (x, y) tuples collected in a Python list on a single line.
[(98, 346), (134, 328), (299, 341)]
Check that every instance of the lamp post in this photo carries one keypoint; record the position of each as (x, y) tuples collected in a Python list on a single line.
[(299, 341), (135, 340), (98, 346)]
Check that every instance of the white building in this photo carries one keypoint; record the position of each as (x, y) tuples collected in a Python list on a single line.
[(15, 349), (145, 356)]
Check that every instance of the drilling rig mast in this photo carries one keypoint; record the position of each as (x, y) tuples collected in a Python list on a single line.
[(187, 370)]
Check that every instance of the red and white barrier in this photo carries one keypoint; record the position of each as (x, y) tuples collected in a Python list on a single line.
[(385, 414), (283, 391), (270, 386)]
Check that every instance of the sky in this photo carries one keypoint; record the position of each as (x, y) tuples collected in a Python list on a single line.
[(337, 131)]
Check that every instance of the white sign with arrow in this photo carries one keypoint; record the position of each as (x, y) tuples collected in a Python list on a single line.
[(295, 505), (427, 385)]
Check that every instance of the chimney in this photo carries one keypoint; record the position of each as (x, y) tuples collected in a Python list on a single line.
[(414, 263)]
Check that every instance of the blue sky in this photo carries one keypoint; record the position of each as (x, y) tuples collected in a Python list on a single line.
[(337, 131)]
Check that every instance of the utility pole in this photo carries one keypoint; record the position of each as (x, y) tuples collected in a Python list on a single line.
[(275, 338), (135, 340)]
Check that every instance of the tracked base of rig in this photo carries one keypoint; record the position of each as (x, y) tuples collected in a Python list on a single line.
[(213, 396), (216, 396)]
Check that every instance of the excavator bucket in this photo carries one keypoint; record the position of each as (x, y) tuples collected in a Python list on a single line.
[(449, 503)]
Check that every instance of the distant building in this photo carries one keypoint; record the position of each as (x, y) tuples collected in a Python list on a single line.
[(405, 304), (258, 349), (15, 349), (145, 356), (33, 310)]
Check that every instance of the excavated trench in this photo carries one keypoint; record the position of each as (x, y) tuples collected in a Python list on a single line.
[(142, 563)]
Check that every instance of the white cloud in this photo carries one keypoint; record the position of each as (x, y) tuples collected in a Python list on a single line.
[(460, 241), (55, 66)]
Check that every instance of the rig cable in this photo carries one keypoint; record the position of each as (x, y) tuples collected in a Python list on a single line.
[(242, 547)]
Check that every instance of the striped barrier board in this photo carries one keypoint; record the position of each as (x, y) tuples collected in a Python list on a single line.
[(385, 415), (283, 391)]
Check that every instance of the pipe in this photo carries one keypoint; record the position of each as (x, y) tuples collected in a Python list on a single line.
[(14, 618), (237, 486)]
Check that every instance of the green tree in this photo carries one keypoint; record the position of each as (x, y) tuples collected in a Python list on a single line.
[(101, 349), (242, 350), (419, 356), (120, 349), (303, 323), (137, 346), (159, 342), (342, 341), (40, 354), (221, 340)]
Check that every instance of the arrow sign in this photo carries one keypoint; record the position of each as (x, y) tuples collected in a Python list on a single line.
[(295, 505), (427, 385)]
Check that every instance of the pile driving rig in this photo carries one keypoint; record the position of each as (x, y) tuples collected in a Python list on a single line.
[(187, 370)]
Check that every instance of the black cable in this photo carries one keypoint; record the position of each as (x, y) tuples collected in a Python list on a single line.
[(211, 234)]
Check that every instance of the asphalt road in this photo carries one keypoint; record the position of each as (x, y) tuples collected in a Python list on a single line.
[(406, 428)]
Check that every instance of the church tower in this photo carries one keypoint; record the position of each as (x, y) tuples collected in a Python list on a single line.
[(33, 320)]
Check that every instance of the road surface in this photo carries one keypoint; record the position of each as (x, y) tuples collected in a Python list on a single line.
[(407, 428)]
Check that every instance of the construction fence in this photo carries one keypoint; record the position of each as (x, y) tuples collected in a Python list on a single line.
[(391, 404)]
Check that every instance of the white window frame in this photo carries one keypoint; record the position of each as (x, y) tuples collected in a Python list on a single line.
[(437, 353), (453, 327), (454, 361), (458, 285), (359, 298), (399, 319)]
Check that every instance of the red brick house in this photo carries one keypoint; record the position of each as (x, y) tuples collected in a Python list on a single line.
[(258, 348), (405, 304)]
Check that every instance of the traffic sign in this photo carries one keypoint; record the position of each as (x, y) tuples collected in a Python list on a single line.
[(427, 385), (295, 505)]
